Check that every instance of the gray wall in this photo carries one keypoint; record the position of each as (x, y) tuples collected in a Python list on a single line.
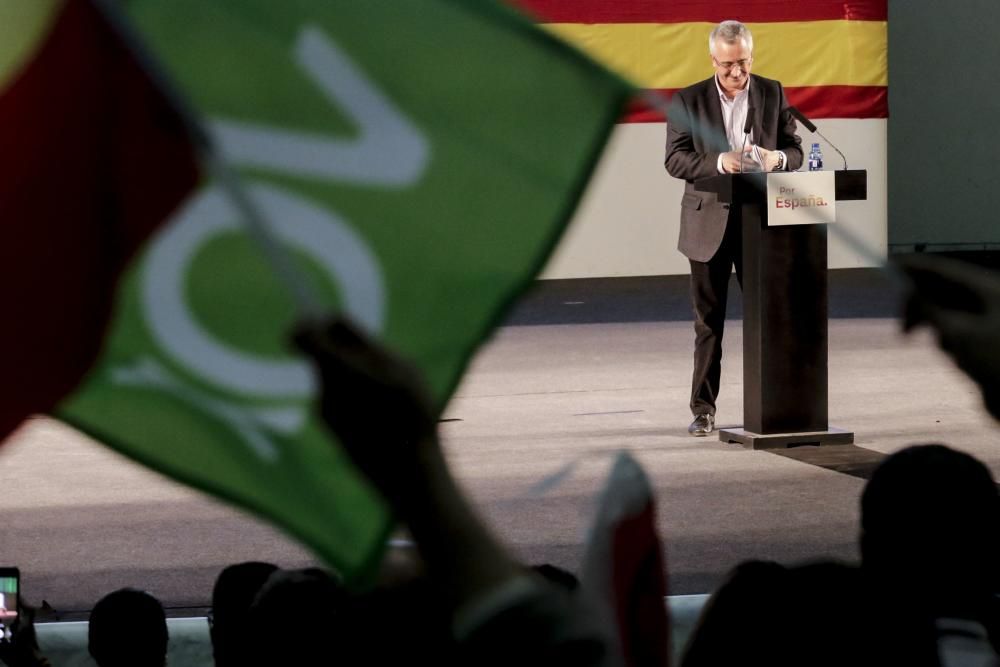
[(944, 124)]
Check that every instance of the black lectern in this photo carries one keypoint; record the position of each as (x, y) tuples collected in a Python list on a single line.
[(784, 318)]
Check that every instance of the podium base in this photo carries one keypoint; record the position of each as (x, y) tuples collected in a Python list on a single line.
[(751, 440)]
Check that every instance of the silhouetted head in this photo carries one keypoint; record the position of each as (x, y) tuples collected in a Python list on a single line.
[(128, 629), (234, 592), (296, 617), (929, 527), (399, 624)]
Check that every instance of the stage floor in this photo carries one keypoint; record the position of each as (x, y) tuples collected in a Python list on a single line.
[(582, 370)]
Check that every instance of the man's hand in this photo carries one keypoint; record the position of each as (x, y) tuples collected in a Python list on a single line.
[(961, 303), (375, 403), (771, 158), (731, 162)]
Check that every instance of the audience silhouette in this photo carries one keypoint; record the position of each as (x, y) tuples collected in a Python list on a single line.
[(930, 531), (128, 628), (930, 541), (233, 639), (297, 618)]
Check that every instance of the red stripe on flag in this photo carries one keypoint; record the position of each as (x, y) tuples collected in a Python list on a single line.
[(92, 159), (680, 11), (840, 101), (814, 101)]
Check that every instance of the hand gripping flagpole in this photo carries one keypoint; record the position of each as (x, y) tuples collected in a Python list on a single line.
[(304, 297)]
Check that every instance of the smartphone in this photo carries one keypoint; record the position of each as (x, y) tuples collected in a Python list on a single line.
[(10, 592)]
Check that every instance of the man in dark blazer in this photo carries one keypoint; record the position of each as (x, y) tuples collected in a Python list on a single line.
[(705, 137)]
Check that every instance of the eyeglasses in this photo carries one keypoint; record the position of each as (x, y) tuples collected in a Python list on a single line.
[(730, 66)]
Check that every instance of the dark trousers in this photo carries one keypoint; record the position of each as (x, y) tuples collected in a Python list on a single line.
[(709, 292)]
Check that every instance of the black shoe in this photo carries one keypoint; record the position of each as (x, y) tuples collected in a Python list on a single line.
[(702, 425)]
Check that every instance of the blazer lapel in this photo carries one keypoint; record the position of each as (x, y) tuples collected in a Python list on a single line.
[(757, 102), (715, 128)]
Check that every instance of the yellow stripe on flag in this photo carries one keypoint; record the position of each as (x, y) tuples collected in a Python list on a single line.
[(675, 55), (23, 27)]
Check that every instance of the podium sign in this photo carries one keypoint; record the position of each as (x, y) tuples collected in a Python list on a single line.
[(801, 198)]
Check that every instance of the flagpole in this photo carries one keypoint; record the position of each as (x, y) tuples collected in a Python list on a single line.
[(303, 295), (306, 301)]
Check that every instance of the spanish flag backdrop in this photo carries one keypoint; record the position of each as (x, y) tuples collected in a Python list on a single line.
[(830, 55)]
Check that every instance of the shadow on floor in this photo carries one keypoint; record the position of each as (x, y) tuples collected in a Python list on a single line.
[(853, 293), (847, 459)]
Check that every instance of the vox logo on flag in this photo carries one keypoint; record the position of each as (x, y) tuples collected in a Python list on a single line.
[(343, 256), (418, 180)]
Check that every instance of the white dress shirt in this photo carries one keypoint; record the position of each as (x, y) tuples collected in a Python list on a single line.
[(734, 115)]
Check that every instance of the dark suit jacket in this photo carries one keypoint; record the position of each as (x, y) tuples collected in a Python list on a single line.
[(696, 135)]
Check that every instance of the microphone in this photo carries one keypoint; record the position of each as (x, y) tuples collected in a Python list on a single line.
[(799, 116), (747, 124), (809, 125)]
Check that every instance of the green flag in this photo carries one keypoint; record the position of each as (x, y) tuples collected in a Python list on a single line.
[(419, 158)]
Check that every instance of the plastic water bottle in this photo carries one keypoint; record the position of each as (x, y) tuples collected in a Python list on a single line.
[(815, 158)]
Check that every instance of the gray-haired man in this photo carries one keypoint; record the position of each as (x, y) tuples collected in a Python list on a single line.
[(705, 137)]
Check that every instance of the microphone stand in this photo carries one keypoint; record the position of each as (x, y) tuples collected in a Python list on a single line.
[(809, 125), (747, 124), (830, 144)]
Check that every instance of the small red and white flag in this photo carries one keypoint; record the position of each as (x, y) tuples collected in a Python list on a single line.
[(624, 566)]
